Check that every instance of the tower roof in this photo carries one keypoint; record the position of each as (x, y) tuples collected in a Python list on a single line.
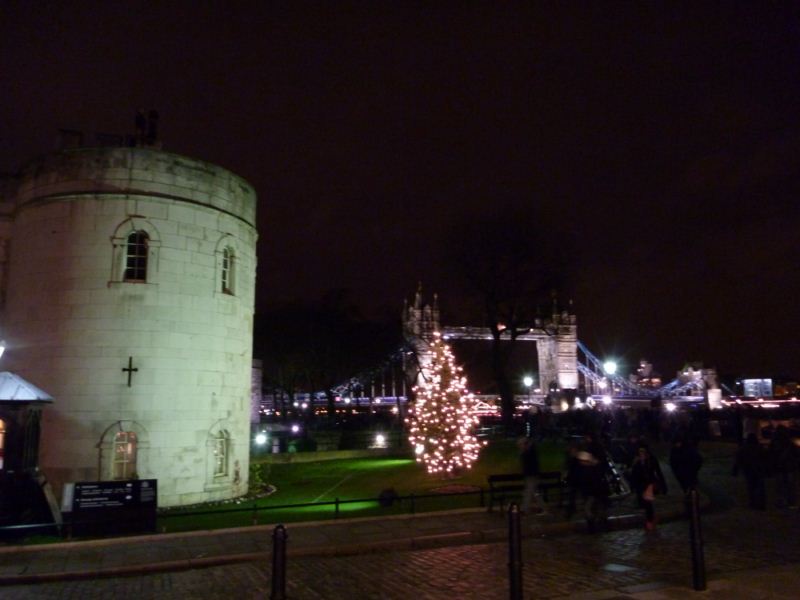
[(15, 388)]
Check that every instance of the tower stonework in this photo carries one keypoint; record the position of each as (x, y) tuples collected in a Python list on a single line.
[(129, 296)]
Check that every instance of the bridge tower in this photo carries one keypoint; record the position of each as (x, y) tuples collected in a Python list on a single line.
[(419, 324), (558, 350)]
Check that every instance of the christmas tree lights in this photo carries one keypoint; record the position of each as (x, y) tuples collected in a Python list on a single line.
[(442, 419)]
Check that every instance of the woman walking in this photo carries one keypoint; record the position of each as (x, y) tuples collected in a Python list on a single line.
[(647, 481)]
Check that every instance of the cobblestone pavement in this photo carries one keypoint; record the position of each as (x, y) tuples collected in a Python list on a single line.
[(736, 539)]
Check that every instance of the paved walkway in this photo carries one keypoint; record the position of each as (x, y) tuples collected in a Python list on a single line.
[(171, 551), (432, 556)]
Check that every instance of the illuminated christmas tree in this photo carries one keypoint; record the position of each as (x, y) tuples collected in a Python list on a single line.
[(442, 419)]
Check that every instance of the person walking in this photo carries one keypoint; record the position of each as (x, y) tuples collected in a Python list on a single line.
[(593, 485), (783, 463), (572, 467), (647, 481), (751, 460), (529, 458), (685, 462)]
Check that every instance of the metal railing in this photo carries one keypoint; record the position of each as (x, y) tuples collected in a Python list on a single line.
[(411, 501)]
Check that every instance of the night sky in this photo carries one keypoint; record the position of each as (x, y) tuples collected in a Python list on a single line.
[(662, 146)]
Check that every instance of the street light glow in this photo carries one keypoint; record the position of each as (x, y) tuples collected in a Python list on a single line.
[(610, 367), (261, 439), (528, 381)]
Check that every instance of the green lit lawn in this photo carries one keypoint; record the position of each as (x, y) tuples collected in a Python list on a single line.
[(361, 479)]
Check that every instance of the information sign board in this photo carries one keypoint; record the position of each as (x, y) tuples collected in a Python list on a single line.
[(127, 506)]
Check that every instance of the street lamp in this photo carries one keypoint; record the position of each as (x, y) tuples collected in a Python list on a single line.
[(610, 367), (528, 381)]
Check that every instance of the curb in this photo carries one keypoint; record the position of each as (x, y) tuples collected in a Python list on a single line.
[(457, 538)]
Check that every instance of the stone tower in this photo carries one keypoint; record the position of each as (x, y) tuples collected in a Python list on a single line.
[(128, 278)]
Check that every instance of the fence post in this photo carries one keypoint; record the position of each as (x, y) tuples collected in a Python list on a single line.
[(514, 553), (279, 537), (336, 505), (696, 536)]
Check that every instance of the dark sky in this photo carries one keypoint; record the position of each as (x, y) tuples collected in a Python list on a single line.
[(665, 144)]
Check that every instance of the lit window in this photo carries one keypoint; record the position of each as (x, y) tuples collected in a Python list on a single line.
[(221, 443), (227, 271), (2, 442), (124, 455), (136, 256)]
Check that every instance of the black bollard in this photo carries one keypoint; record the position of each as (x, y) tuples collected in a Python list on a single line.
[(279, 563), (514, 553), (696, 535)]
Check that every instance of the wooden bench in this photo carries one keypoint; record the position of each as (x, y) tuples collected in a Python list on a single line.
[(504, 485)]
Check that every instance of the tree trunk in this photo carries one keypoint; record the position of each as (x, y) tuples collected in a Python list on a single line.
[(331, 404), (500, 358)]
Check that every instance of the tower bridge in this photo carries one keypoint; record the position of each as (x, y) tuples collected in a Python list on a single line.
[(565, 363), (555, 338)]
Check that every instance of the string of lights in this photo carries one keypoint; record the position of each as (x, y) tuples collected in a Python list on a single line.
[(442, 420)]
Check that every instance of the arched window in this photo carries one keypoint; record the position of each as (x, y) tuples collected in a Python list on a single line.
[(136, 256), (227, 270), (221, 448), (124, 465)]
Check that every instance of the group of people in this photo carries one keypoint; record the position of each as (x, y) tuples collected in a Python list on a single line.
[(592, 477), (779, 458)]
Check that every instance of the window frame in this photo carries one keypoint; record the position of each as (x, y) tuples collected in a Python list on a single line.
[(126, 445), (221, 454), (137, 249), (228, 270), (3, 432)]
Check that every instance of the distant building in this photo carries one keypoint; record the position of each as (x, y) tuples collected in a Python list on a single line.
[(127, 280)]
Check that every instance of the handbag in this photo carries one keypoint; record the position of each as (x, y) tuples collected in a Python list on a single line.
[(649, 493)]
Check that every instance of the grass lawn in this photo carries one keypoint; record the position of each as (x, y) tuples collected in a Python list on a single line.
[(362, 479)]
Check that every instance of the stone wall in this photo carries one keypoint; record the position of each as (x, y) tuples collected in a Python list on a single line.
[(72, 322)]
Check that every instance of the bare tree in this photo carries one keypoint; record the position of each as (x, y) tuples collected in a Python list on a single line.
[(511, 266)]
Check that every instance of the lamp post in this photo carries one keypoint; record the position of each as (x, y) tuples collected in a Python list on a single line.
[(528, 381), (610, 367)]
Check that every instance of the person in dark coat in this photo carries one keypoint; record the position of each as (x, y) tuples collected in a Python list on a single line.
[(751, 460), (647, 481), (530, 472), (572, 480), (685, 461), (783, 463), (593, 485)]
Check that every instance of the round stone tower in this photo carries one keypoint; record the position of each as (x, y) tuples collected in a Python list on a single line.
[(129, 295)]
